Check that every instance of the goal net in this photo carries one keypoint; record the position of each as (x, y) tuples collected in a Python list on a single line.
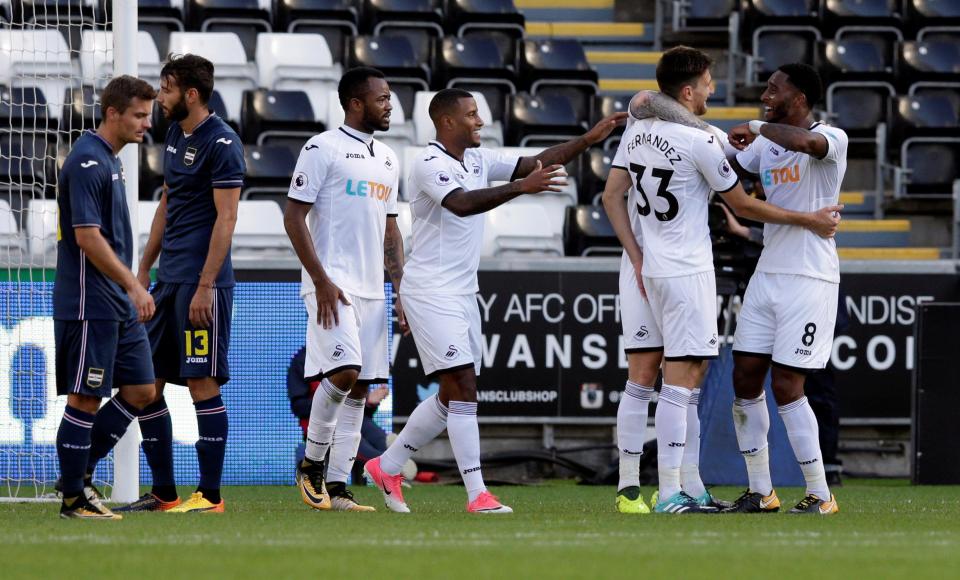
[(54, 58)]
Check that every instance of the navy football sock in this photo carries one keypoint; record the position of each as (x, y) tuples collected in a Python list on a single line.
[(73, 448), (212, 445), (157, 430), (109, 426)]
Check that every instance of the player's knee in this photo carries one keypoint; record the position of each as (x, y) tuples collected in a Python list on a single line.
[(787, 386), (84, 403), (139, 396), (345, 379)]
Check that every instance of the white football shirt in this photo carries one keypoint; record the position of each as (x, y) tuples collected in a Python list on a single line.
[(445, 248), (674, 168), (351, 179), (799, 182)]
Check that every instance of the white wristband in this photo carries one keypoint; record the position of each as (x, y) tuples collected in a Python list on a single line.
[(755, 126)]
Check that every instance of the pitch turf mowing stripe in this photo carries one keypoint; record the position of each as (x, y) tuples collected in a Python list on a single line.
[(875, 226), (889, 253), (622, 57)]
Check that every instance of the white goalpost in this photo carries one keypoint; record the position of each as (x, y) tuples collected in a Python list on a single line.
[(53, 60)]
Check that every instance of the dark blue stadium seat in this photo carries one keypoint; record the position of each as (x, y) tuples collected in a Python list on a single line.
[(774, 48), (534, 120), (587, 231), (159, 18), (79, 111), (593, 174), (395, 56), (560, 67), (923, 13), (268, 167), (267, 116), (245, 18), (780, 12), (151, 171), (497, 20), (24, 159), (420, 21), (858, 109), (933, 167), (710, 12), (934, 60), (861, 56), (861, 11), (23, 108), (930, 114), (335, 20), (472, 58), (69, 17)]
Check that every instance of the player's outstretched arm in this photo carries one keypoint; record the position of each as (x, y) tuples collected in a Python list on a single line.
[(294, 222), (104, 259), (647, 104), (466, 203), (618, 182), (787, 136), (822, 222), (151, 251), (564, 152), (393, 264)]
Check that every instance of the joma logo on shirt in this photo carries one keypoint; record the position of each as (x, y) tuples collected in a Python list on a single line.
[(782, 175), (370, 189)]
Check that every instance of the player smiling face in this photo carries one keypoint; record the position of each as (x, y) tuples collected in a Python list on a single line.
[(701, 92), (779, 97), (467, 122)]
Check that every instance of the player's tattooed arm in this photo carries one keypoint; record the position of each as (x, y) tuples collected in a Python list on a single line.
[(823, 222), (465, 203), (393, 263), (653, 104), (789, 137), (151, 250), (564, 152)]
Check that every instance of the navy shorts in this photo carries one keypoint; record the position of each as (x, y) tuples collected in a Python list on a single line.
[(180, 351), (94, 356)]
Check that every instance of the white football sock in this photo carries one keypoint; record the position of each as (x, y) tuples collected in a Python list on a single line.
[(751, 421), (690, 465), (427, 421), (464, 434), (804, 437), (631, 431), (346, 440), (670, 422), (323, 419)]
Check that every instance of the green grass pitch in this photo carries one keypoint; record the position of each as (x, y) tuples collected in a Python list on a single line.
[(885, 530)]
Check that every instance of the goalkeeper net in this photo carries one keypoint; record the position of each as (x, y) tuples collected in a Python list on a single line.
[(54, 57)]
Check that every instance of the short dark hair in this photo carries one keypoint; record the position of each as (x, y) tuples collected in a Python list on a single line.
[(353, 83), (681, 66), (806, 79), (444, 101), (191, 71), (120, 91)]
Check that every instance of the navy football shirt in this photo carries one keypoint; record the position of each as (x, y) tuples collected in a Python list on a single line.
[(193, 166), (91, 193)]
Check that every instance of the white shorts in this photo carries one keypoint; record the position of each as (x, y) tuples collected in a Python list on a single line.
[(358, 342), (788, 317), (446, 330), (640, 331), (685, 309)]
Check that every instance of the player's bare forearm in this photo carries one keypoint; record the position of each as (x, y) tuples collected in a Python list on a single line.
[(393, 252), (795, 139), (753, 209), (556, 155), (104, 259), (467, 203), (616, 207), (653, 104), (151, 250), (294, 222), (226, 201)]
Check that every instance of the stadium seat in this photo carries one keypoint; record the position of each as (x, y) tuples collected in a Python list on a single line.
[(473, 59), (96, 58), (759, 13), (596, 167), (259, 233), (303, 62), (268, 168), (497, 20), (24, 161), (395, 56), (160, 18), (932, 166), (81, 110), (245, 18), (535, 120), (774, 46), (933, 60), (923, 13), (518, 229), (25, 109), (560, 67), (864, 56), (419, 21), (42, 230), (490, 135), (587, 232), (37, 57), (840, 13), (66, 17), (151, 171), (278, 197), (858, 108), (13, 246), (283, 118), (335, 20), (233, 73), (930, 114)]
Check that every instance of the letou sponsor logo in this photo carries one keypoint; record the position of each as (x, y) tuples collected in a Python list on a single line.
[(781, 175), (370, 189)]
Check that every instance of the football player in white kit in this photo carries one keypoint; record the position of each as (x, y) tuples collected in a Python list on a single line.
[(450, 193), (790, 306), (345, 185), (673, 169)]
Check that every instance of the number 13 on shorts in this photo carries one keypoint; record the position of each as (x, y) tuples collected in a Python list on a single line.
[(197, 342)]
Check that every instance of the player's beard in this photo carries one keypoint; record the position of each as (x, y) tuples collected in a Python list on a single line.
[(178, 112), (376, 123)]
